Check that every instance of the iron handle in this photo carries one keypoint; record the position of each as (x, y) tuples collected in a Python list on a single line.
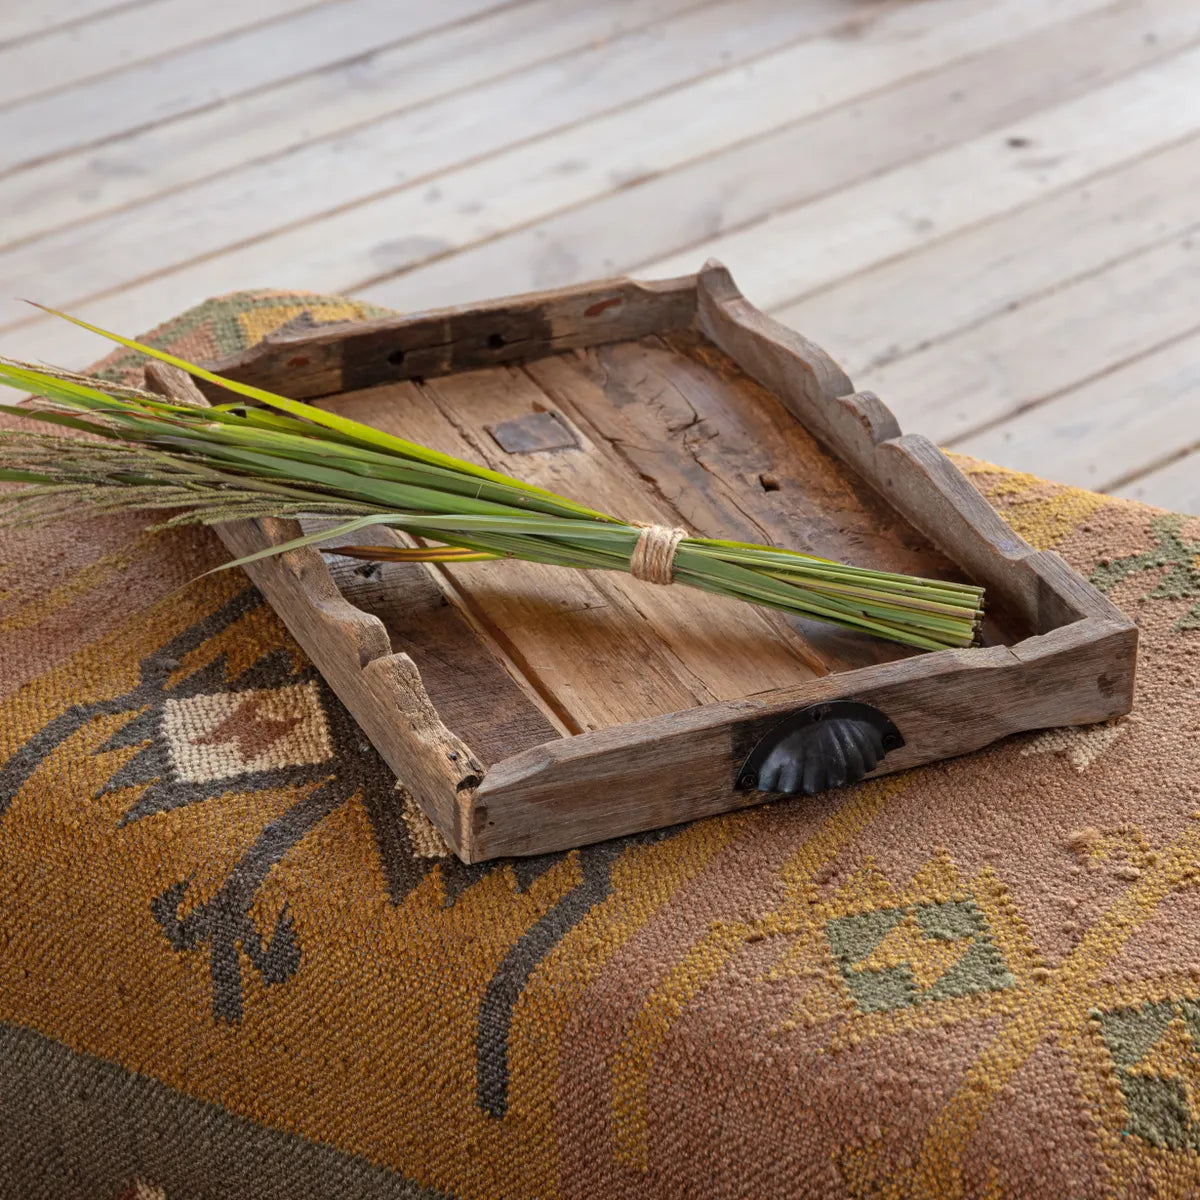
[(819, 747)]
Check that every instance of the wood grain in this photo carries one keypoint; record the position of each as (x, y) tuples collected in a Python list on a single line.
[(1020, 357), (730, 461), (28, 18), (344, 359), (1011, 151), (592, 664), (899, 211), (1174, 485), (455, 77), (365, 193), (722, 647), (63, 57), (600, 647), (204, 73), (352, 650), (645, 678), (455, 661), (1014, 258), (680, 767), (1110, 429), (358, 243), (912, 474), (992, 74)]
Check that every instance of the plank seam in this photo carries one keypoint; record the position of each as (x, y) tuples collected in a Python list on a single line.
[(1166, 460), (425, 180), (503, 5), (352, 128), (1023, 206), (375, 280), (1076, 385), (150, 59), (72, 23)]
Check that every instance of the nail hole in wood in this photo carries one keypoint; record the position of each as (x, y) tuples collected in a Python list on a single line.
[(396, 358), (496, 341)]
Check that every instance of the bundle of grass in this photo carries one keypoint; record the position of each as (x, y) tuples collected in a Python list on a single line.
[(281, 457)]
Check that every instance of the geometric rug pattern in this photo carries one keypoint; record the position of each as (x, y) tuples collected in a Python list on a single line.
[(234, 962)]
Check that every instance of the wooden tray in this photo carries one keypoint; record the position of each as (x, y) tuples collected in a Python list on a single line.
[(529, 708)]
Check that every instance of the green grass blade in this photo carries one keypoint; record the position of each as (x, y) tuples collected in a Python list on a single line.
[(343, 425)]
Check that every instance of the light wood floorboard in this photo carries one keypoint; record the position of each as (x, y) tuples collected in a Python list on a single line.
[(983, 208), (1175, 486)]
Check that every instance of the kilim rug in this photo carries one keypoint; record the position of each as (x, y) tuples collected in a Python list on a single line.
[(233, 963)]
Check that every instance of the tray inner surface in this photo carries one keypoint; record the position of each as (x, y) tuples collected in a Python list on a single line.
[(668, 430)]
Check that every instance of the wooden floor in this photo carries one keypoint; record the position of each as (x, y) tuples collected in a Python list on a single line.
[(987, 210)]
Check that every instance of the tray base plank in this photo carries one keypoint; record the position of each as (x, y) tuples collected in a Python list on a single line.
[(456, 666), (600, 648), (669, 429), (725, 454), (555, 628)]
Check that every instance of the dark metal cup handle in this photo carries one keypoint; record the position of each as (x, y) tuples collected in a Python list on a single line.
[(820, 747)]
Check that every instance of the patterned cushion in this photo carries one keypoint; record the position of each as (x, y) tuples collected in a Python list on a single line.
[(235, 963)]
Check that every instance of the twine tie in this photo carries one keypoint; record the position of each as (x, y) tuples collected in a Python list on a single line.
[(653, 558)]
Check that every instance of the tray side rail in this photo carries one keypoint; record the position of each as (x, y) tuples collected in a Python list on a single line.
[(350, 357), (382, 690), (908, 471), (685, 765)]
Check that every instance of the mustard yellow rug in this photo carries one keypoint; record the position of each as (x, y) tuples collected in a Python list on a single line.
[(233, 965)]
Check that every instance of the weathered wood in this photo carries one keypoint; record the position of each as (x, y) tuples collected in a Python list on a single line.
[(921, 481), (473, 693), (382, 690), (998, 64), (347, 358), (560, 628), (208, 71), (979, 272), (1050, 342), (722, 648), (1063, 596), (174, 383), (912, 474), (112, 41), (467, 68), (520, 171), (897, 212), (663, 686), (352, 650), (601, 647), (363, 208), (1175, 485), (1111, 429), (729, 459), (680, 767), (28, 18), (532, 432)]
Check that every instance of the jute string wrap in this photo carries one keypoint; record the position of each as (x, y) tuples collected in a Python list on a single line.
[(653, 558)]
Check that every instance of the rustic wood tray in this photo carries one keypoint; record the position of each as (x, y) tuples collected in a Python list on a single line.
[(531, 709)]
